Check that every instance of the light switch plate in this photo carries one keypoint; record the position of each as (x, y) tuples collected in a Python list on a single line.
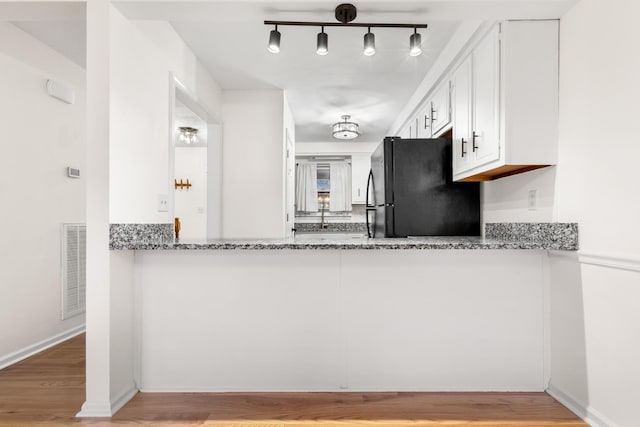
[(163, 203)]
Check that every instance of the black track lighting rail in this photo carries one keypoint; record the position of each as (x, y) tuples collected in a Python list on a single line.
[(340, 24), (345, 14)]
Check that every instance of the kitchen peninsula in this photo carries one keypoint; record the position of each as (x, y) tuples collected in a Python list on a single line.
[(360, 314)]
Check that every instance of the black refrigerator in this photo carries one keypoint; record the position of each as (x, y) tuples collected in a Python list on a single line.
[(410, 191)]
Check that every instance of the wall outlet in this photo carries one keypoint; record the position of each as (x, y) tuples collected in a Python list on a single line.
[(163, 203), (532, 200)]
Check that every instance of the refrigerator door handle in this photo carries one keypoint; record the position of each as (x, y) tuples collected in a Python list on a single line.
[(369, 207)]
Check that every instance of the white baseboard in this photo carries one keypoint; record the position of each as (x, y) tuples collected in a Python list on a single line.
[(123, 397), (29, 351), (107, 409), (212, 389), (95, 409), (591, 416)]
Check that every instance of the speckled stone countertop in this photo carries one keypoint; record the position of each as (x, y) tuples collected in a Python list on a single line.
[(340, 227), (555, 236)]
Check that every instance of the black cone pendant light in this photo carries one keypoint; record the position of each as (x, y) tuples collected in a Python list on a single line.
[(415, 44), (369, 43), (274, 41), (323, 43)]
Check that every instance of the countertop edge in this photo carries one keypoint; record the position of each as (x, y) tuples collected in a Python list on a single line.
[(499, 236)]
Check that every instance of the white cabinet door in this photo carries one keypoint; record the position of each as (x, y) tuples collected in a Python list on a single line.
[(485, 138), (441, 108), (461, 100), (423, 121), (414, 128), (406, 131), (360, 166)]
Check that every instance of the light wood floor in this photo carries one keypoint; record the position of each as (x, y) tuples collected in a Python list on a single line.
[(48, 390)]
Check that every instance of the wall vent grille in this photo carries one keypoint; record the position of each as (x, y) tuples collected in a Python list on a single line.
[(74, 262)]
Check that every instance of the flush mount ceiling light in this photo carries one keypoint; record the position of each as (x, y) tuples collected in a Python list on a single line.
[(345, 129), (345, 13), (188, 135)]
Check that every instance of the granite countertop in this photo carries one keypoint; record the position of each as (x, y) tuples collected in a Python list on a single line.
[(554, 236), (340, 227)]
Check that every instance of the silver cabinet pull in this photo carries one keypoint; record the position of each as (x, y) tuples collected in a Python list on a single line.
[(462, 150), (473, 145)]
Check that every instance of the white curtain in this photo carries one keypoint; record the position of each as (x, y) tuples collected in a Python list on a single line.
[(307, 187), (340, 193)]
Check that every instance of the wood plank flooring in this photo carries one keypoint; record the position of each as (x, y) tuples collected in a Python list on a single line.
[(48, 389)]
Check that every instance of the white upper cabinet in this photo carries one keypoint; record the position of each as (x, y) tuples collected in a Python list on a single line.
[(423, 121), (461, 106), (408, 130), (441, 109), (513, 104), (485, 83), (434, 116), (360, 166)]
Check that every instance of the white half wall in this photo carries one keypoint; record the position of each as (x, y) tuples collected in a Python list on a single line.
[(41, 137), (595, 317), (342, 320)]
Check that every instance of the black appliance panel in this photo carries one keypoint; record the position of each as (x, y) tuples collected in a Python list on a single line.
[(420, 198)]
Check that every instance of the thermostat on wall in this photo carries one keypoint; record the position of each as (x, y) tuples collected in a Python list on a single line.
[(73, 172)]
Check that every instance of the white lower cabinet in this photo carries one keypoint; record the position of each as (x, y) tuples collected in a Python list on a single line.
[(505, 102), (360, 166)]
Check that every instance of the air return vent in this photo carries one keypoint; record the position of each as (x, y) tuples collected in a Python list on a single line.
[(74, 237)]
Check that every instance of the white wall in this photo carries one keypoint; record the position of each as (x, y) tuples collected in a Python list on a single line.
[(360, 320), (595, 317), (289, 168), (143, 54), (191, 204), (335, 147), (507, 199), (41, 136), (253, 157), (130, 67)]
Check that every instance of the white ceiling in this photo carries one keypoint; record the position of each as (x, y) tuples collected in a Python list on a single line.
[(320, 89), (230, 40)]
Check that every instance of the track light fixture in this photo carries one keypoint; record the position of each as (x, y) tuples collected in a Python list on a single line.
[(345, 13), (369, 43), (323, 43), (415, 43), (274, 41)]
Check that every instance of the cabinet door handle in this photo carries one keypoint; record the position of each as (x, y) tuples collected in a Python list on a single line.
[(426, 121), (473, 144), (462, 150), (434, 115)]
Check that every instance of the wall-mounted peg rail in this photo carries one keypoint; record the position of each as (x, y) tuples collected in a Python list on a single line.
[(181, 184)]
